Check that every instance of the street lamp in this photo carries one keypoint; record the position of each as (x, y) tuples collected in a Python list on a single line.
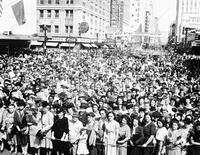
[(45, 28)]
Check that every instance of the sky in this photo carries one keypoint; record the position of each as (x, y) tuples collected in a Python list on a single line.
[(165, 10)]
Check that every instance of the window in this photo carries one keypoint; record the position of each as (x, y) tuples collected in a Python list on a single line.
[(67, 1), (57, 1), (49, 28), (71, 13), (56, 13), (66, 29), (49, 13), (49, 1), (41, 1), (71, 29), (41, 28), (71, 1), (56, 29), (67, 13), (41, 13)]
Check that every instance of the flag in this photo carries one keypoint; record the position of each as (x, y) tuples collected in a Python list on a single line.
[(1, 8), (18, 10)]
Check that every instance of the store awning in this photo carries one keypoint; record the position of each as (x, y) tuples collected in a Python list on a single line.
[(67, 45), (51, 44), (105, 46), (95, 46), (36, 43), (86, 45)]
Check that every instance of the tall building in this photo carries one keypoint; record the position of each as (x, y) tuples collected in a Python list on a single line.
[(63, 17), (187, 15), (120, 16), (141, 16)]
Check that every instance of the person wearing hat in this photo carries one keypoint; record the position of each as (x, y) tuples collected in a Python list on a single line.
[(60, 131), (82, 113), (75, 127), (22, 126)]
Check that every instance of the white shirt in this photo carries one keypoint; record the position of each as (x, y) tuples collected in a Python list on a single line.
[(161, 133)]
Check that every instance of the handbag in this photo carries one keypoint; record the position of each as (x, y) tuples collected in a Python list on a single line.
[(40, 135)]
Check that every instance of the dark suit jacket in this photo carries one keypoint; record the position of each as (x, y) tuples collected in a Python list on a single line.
[(138, 137)]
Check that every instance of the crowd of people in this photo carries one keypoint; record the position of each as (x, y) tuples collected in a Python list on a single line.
[(99, 103)]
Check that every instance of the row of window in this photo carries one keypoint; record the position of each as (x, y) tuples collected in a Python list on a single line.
[(57, 1), (68, 13), (68, 29)]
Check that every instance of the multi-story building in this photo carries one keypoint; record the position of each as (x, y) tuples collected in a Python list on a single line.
[(187, 15), (141, 16), (63, 17), (120, 16)]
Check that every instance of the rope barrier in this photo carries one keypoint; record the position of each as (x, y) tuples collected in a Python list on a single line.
[(102, 144)]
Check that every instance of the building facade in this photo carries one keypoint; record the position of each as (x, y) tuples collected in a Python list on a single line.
[(141, 16), (63, 17), (187, 15), (120, 16)]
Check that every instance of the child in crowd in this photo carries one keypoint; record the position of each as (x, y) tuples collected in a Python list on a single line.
[(82, 143)]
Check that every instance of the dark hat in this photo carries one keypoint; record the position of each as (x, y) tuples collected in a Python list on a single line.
[(21, 103), (187, 121), (129, 106), (157, 114), (68, 105), (83, 105), (142, 109), (44, 104), (18, 84), (115, 107), (60, 110), (91, 114), (56, 106)]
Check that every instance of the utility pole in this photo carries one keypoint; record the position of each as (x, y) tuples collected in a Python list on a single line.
[(186, 36), (45, 37)]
